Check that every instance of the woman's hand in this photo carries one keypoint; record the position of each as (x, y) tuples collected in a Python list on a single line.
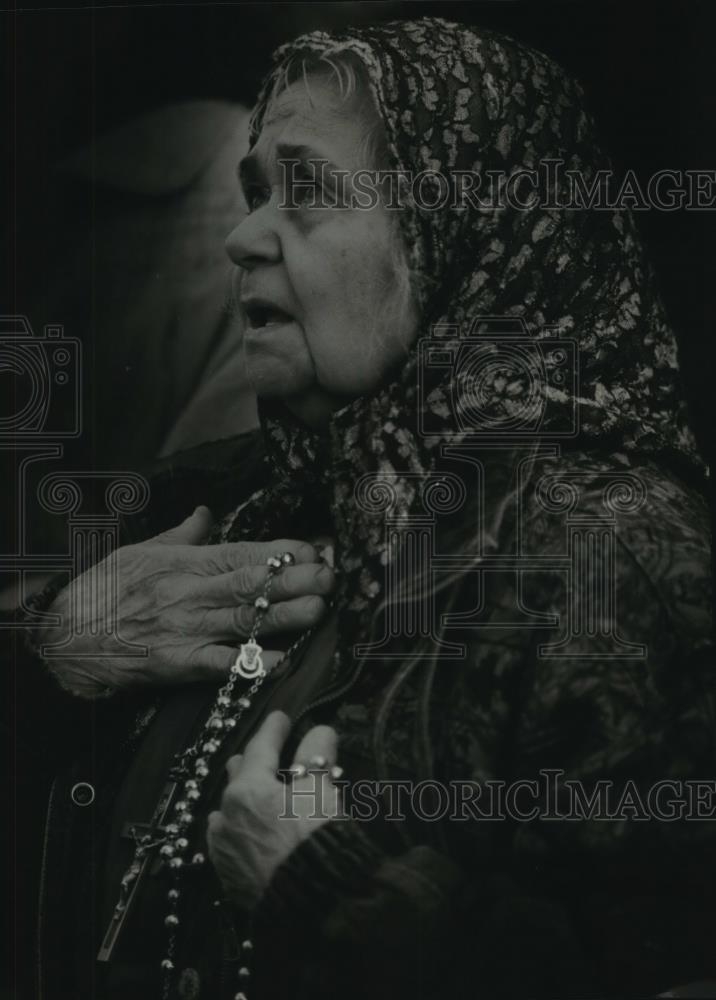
[(261, 821), (181, 600)]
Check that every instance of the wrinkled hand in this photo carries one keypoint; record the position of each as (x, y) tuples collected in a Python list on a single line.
[(181, 600), (260, 821)]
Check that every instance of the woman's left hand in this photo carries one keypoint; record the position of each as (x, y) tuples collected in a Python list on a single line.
[(262, 819)]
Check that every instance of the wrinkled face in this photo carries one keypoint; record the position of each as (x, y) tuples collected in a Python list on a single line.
[(317, 285)]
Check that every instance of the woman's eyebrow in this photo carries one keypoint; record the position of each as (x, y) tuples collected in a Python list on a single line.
[(291, 151), (249, 169)]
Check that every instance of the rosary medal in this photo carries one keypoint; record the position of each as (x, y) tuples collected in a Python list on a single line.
[(249, 663)]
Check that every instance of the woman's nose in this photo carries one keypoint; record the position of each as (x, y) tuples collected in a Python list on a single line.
[(254, 240)]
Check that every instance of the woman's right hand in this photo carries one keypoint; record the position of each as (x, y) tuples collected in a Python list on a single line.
[(183, 601)]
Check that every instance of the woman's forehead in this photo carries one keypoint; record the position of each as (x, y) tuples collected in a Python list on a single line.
[(313, 114)]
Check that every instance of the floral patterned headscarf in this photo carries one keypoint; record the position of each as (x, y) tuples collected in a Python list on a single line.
[(456, 98)]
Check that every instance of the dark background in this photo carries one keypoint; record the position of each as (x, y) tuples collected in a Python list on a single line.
[(70, 74)]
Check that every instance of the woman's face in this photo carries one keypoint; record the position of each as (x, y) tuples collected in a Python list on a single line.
[(315, 283)]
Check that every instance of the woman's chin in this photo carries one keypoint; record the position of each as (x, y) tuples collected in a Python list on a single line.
[(271, 379), (299, 395)]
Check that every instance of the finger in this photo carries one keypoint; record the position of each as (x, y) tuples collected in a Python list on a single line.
[(230, 556), (193, 530), (287, 616), (328, 555), (233, 766), (320, 742), (262, 752), (249, 582), (214, 662)]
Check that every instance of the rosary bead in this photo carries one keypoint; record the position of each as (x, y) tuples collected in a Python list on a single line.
[(172, 846)]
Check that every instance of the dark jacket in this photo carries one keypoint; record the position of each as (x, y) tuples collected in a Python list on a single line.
[(484, 903)]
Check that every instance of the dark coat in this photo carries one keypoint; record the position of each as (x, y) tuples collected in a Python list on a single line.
[(464, 907)]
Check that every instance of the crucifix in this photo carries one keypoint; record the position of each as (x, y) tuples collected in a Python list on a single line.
[(147, 836)]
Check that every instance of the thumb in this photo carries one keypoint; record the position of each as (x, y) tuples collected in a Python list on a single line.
[(233, 766), (193, 530)]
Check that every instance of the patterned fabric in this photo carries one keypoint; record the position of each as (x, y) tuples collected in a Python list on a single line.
[(453, 98), (508, 711)]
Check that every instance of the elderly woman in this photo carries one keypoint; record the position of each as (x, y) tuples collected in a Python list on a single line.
[(475, 554)]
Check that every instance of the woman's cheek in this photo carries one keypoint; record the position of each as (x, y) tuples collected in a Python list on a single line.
[(339, 273)]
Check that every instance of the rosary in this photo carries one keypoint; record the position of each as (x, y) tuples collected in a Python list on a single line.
[(173, 817)]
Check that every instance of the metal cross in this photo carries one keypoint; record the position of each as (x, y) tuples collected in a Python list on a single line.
[(148, 836)]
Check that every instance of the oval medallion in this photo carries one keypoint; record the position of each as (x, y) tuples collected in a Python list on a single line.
[(189, 985)]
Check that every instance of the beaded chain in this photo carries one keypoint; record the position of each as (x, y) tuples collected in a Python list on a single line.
[(192, 767)]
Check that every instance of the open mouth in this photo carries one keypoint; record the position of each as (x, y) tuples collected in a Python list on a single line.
[(261, 316)]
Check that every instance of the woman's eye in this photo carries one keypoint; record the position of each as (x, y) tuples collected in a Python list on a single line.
[(256, 195), (305, 189)]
